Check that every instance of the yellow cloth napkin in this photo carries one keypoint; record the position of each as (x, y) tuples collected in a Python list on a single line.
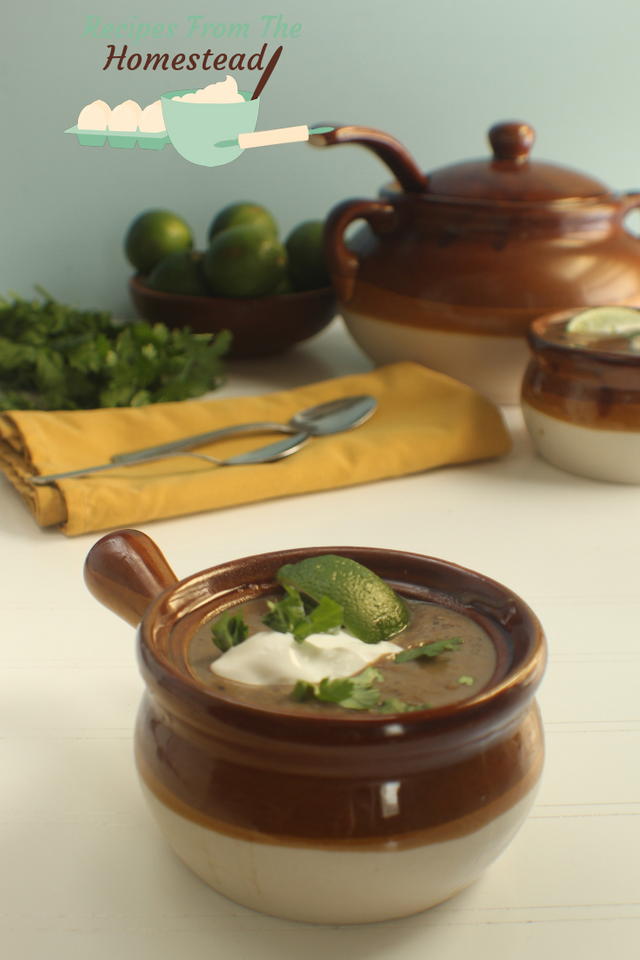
[(424, 419)]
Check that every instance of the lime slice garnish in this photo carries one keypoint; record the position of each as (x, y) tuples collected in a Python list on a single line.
[(606, 321), (372, 611)]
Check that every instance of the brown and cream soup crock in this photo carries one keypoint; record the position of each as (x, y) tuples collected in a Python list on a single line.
[(337, 817)]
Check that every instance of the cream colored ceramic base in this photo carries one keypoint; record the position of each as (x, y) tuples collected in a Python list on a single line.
[(599, 454), (492, 365), (335, 886)]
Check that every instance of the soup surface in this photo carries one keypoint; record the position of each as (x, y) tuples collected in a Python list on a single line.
[(450, 676), (626, 344)]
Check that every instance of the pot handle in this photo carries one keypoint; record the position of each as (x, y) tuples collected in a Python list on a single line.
[(387, 148), (125, 571), (343, 262), (630, 201)]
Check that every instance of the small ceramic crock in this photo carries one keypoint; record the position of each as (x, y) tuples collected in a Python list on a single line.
[(326, 819), (582, 405)]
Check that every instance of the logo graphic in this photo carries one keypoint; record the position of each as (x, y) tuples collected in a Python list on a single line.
[(210, 127)]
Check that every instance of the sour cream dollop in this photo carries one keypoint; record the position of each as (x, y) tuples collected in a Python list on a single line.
[(270, 657)]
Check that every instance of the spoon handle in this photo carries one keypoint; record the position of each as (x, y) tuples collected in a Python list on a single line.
[(199, 440), (273, 451)]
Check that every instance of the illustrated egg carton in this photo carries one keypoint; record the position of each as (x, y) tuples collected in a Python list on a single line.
[(124, 139)]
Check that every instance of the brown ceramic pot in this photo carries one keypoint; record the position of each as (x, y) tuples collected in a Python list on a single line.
[(326, 819), (581, 404), (453, 266)]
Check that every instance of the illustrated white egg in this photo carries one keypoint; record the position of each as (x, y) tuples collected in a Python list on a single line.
[(125, 116), (95, 116), (151, 119), (105, 107)]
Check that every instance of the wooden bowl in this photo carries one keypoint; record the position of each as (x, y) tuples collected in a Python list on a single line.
[(261, 326)]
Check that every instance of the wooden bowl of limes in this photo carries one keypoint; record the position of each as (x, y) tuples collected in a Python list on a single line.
[(261, 326), (269, 295)]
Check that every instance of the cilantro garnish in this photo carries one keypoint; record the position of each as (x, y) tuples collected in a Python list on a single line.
[(354, 693), (428, 650), (293, 615), (229, 631), (399, 706), (284, 615), (56, 357)]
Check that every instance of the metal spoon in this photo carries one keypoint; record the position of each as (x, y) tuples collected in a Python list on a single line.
[(326, 418), (274, 451), (319, 421)]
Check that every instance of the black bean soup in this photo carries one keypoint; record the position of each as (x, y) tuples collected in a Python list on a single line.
[(451, 676)]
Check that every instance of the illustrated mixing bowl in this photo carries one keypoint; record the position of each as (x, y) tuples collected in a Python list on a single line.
[(326, 819), (453, 266), (196, 128)]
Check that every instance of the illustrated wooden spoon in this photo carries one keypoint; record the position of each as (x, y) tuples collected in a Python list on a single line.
[(267, 73)]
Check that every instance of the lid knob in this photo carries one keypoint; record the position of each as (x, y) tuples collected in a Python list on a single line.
[(511, 141)]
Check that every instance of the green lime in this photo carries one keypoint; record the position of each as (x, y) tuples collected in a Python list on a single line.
[(307, 264), (606, 321), (153, 236), (372, 611), (242, 215), (285, 286), (244, 262), (179, 273)]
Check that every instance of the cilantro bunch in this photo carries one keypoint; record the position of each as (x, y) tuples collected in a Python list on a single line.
[(56, 357)]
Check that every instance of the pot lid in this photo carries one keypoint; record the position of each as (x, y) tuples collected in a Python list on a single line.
[(511, 175)]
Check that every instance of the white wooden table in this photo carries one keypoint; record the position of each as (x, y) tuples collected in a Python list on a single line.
[(86, 875)]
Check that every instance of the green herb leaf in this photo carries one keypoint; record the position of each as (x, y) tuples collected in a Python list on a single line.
[(466, 680), (428, 650), (229, 631), (354, 693), (334, 691), (399, 706), (286, 614), (293, 615), (325, 618), (303, 691), (56, 357)]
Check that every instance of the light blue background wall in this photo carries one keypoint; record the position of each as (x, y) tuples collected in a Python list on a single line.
[(436, 75)]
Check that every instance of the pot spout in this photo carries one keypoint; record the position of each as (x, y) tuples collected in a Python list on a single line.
[(387, 148)]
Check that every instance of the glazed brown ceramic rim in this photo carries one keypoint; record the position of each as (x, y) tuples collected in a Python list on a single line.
[(539, 344), (164, 673)]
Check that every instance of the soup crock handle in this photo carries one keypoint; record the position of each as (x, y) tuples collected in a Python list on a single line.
[(125, 571), (343, 262), (387, 148)]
